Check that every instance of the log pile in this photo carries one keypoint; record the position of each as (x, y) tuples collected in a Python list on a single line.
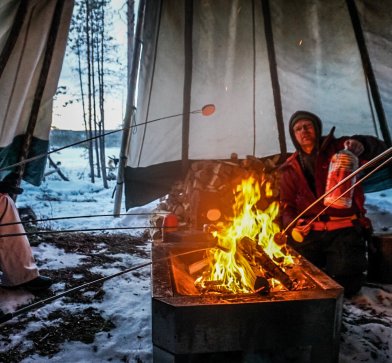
[(206, 193)]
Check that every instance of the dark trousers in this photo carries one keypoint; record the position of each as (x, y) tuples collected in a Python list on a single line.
[(340, 253)]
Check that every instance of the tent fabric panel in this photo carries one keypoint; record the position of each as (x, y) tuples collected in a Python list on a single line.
[(34, 171), (147, 42), (267, 113), (8, 10), (223, 64), (19, 81), (150, 183), (320, 68), (20, 77), (375, 19), (222, 71), (230, 73), (380, 180), (153, 143)]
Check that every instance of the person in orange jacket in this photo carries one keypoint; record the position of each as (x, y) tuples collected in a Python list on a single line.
[(17, 263), (335, 241)]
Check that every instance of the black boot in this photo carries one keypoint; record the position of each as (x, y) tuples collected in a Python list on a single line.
[(40, 283)]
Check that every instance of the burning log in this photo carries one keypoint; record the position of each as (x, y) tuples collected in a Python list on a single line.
[(275, 271), (246, 245), (198, 265), (262, 285)]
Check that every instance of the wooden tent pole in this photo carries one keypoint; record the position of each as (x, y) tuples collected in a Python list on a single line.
[(254, 58), (274, 76), (131, 108), (40, 86), (188, 55), (368, 68)]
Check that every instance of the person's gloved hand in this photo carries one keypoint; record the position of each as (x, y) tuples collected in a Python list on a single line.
[(354, 146), (9, 184)]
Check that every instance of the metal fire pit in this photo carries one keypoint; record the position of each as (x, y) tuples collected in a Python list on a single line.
[(188, 327)]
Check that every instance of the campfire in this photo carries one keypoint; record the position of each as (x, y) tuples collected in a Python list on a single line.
[(236, 205), (247, 259)]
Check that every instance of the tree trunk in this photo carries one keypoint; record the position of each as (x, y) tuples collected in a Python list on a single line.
[(100, 58), (89, 75), (93, 59)]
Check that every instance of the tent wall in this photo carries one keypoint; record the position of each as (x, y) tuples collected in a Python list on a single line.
[(24, 81), (376, 23), (318, 68)]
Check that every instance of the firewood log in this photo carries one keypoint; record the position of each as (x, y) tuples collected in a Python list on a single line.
[(268, 264)]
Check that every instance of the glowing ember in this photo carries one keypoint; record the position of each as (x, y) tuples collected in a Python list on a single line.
[(244, 242)]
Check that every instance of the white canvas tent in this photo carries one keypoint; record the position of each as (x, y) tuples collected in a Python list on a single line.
[(257, 62)]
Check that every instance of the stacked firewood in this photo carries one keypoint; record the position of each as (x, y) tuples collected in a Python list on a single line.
[(210, 182)]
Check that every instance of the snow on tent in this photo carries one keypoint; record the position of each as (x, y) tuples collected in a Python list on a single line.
[(257, 62), (33, 36)]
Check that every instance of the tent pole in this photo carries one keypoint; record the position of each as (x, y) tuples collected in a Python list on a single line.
[(187, 83), (25, 149), (274, 75), (131, 108), (367, 65), (254, 75)]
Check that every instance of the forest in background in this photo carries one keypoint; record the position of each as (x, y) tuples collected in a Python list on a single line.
[(93, 57), (61, 138)]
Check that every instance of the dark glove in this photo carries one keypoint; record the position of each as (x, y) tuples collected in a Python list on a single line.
[(9, 184)]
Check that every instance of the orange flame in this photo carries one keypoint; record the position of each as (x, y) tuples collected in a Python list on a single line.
[(231, 269)]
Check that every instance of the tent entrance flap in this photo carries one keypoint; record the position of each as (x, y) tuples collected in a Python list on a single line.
[(32, 44), (151, 182)]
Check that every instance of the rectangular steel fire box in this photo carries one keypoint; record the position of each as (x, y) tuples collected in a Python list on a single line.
[(191, 327)]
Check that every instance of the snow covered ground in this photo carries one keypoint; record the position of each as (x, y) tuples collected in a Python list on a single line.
[(367, 318)]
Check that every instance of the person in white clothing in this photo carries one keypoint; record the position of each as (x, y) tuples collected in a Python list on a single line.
[(17, 264)]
